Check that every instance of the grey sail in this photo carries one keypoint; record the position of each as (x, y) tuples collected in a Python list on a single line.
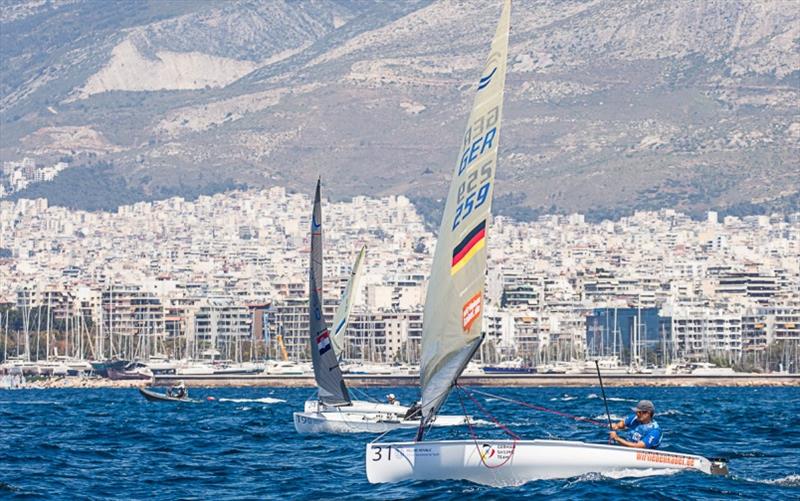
[(342, 316), (451, 331), (328, 375)]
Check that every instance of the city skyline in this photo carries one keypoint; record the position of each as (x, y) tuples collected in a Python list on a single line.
[(546, 279)]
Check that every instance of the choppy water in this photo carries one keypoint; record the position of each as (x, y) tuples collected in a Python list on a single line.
[(112, 444)]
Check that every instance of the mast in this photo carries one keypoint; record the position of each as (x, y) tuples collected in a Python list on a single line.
[(451, 332)]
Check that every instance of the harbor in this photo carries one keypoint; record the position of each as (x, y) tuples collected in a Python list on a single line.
[(411, 380), (494, 380)]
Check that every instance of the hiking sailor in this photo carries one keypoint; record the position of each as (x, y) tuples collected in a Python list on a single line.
[(645, 432)]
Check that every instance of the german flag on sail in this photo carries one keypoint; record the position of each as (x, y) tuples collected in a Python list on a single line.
[(468, 247)]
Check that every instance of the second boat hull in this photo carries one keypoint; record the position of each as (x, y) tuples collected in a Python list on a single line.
[(360, 417)]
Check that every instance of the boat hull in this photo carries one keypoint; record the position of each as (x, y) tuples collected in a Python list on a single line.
[(116, 375), (508, 462), (153, 396), (360, 417), (508, 370)]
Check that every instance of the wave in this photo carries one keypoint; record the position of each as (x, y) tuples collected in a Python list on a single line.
[(593, 477), (265, 400), (670, 412), (565, 398), (29, 402), (749, 454), (604, 417), (610, 399), (638, 473), (787, 481), (481, 422)]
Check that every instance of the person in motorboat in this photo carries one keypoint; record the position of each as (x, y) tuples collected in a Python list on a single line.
[(644, 430), (392, 400), (179, 391)]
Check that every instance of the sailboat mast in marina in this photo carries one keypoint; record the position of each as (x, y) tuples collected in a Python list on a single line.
[(451, 332)]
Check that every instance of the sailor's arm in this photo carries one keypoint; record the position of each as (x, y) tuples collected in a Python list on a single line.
[(619, 425), (627, 443)]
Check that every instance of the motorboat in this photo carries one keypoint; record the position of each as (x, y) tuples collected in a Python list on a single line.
[(153, 396)]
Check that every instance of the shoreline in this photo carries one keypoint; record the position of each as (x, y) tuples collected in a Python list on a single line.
[(496, 380), (504, 380)]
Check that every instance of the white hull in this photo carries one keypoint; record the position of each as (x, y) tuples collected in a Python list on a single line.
[(360, 417), (506, 462)]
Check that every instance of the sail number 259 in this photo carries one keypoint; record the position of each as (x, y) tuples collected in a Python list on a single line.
[(378, 453), (470, 197)]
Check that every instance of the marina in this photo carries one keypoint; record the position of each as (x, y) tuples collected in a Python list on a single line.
[(494, 380)]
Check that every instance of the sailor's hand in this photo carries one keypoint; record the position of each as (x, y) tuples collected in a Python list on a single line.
[(613, 436)]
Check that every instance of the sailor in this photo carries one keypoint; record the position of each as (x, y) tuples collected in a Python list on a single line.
[(413, 412), (391, 399), (180, 390), (645, 432)]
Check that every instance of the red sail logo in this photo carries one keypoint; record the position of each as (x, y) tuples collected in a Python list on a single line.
[(471, 311)]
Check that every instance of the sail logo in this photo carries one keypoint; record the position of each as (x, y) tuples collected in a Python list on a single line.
[(323, 342), (471, 311), (487, 452), (339, 327), (492, 62), (468, 247), (485, 81)]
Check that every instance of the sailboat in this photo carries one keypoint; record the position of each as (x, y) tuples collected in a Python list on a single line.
[(451, 334), (333, 411)]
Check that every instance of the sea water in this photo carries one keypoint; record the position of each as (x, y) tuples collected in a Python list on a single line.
[(112, 444)]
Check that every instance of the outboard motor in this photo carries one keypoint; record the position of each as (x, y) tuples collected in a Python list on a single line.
[(719, 466)]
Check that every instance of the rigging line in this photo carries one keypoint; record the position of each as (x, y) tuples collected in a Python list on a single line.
[(429, 424), (537, 407), (382, 435), (489, 414), (365, 394), (475, 439)]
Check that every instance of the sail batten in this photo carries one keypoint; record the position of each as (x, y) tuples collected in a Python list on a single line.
[(328, 375), (454, 304)]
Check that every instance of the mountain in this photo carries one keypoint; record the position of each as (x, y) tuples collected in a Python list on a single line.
[(610, 106)]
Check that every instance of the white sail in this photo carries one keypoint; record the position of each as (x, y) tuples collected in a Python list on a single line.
[(342, 316), (454, 305)]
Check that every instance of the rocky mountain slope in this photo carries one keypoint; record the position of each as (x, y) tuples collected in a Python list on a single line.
[(611, 106)]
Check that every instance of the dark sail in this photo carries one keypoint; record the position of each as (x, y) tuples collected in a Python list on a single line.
[(332, 390)]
